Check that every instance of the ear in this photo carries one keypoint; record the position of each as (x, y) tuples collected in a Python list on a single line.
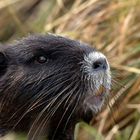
[(3, 63)]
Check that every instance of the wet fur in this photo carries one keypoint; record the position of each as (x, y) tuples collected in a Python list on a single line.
[(43, 99)]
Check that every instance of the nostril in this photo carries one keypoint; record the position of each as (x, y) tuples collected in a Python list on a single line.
[(96, 64), (100, 64)]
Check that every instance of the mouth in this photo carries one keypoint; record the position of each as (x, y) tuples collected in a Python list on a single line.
[(101, 91), (96, 101)]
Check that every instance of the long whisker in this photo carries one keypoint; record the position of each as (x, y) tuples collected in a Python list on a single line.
[(77, 102), (52, 111), (39, 95), (71, 94), (41, 125), (111, 110), (34, 103), (117, 83)]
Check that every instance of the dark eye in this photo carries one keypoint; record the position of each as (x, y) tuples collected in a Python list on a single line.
[(41, 59)]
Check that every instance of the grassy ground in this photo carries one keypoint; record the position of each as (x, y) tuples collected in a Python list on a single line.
[(112, 26)]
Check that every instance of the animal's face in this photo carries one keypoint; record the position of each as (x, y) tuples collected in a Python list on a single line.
[(44, 73)]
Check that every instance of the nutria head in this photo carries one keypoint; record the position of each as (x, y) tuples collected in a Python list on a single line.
[(48, 84)]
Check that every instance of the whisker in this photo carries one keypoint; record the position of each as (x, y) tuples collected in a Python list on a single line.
[(111, 110), (34, 103), (117, 83), (71, 94), (52, 111), (77, 102), (42, 123)]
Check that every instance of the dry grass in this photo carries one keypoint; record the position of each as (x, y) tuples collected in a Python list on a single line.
[(112, 26)]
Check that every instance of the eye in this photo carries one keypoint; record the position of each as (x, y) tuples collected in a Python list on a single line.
[(41, 59)]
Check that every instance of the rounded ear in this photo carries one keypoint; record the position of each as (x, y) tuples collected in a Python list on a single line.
[(3, 63)]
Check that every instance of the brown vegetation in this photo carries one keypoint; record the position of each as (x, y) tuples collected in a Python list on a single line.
[(112, 26)]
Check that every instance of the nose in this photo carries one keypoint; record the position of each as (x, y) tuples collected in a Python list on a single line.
[(100, 64)]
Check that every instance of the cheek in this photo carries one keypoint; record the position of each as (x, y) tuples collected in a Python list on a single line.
[(12, 76)]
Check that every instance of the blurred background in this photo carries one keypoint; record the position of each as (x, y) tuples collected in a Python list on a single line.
[(113, 27)]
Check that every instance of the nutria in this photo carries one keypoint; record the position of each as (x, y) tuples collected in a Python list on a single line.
[(48, 83)]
